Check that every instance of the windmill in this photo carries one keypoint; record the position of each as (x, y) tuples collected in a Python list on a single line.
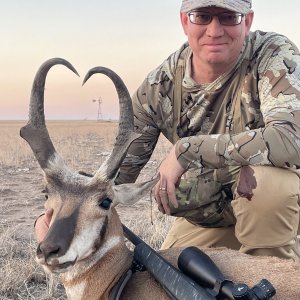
[(99, 114)]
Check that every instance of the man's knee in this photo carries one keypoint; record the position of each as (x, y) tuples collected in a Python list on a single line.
[(185, 234), (266, 206)]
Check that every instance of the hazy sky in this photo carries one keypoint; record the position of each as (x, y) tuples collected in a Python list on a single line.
[(132, 37)]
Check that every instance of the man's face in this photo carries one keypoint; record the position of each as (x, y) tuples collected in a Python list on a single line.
[(216, 44)]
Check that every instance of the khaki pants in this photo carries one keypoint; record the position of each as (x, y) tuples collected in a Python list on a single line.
[(267, 224)]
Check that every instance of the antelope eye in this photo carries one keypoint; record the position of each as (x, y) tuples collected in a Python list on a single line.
[(105, 203)]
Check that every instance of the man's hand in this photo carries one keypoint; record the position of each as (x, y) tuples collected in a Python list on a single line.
[(42, 224), (170, 172)]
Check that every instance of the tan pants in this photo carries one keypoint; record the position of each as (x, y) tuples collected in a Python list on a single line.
[(267, 224)]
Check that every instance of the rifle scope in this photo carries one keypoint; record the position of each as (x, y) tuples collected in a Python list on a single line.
[(199, 266)]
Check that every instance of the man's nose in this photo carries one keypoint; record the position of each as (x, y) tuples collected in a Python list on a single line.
[(215, 28)]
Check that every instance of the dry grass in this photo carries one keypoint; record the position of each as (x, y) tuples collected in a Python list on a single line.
[(21, 277), (84, 146), (75, 141), (14, 152)]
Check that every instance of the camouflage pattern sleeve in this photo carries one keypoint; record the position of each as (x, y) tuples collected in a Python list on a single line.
[(141, 149), (278, 142)]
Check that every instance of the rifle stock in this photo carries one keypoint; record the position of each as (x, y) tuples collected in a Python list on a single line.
[(176, 284)]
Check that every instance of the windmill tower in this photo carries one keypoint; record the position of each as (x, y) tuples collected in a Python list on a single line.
[(99, 113)]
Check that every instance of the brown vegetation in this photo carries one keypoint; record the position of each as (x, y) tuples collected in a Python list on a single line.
[(84, 146)]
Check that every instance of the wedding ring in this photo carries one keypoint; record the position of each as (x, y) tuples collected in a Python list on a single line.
[(163, 188)]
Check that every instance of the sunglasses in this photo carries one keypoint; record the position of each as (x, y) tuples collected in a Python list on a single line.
[(204, 18)]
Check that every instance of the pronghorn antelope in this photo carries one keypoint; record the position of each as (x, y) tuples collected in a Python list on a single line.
[(85, 241)]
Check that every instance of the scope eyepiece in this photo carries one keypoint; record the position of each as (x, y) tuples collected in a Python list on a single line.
[(263, 290)]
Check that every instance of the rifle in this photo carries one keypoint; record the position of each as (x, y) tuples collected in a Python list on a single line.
[(177, 285), (204, 281)]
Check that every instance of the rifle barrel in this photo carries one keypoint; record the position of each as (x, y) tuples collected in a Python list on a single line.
[(133, 238)]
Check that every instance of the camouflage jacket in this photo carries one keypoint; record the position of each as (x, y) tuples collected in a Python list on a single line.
[(248, 116)]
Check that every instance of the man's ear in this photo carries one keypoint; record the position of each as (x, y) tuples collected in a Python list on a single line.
[(184, 21), (129, 193), (248, 21)]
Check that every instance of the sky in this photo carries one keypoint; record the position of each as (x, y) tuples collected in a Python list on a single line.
[(131, 37)]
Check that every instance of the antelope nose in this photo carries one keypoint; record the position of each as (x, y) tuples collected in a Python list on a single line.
[(48, 250)]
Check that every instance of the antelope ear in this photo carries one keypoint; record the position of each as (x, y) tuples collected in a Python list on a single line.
[(129, 193)]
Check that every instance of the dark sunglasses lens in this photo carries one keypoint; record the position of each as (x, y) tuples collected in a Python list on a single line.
[(230, 19), (200, 18), (204, 18)]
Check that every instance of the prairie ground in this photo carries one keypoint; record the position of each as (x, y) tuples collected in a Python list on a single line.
[(84, 145)]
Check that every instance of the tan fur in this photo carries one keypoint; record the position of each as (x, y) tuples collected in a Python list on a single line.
[(238, 267), (99, 278), (85, 241)]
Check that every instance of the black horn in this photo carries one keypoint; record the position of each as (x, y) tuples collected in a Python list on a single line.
[(35, 131), (126, 134)]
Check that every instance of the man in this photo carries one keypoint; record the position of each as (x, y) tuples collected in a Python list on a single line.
[(229, 101)]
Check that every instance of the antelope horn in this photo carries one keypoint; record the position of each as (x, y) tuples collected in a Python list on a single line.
[(35, 131), (125, 135)]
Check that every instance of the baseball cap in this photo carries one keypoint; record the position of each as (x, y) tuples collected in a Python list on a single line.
[(241, 6)]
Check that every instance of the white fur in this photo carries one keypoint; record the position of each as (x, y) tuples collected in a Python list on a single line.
[(105, 248), (75, 292), (82, 244)]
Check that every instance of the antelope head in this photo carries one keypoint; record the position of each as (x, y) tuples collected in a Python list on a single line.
[(83, 205)]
